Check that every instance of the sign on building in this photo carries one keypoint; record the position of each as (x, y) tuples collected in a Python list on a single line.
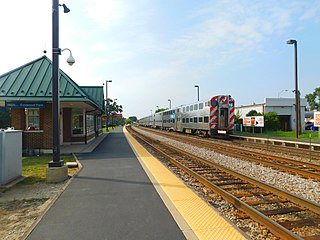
[(253, 121), (316, 118), (25, 105)]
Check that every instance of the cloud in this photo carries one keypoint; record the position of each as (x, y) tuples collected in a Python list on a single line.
[(105, 12)]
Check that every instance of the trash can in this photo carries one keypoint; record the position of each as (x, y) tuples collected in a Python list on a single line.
[(10, 155)]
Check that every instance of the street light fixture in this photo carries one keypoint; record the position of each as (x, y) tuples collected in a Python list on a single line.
[(56, 51), (296, 91), (169, 103), (197, 86), (285, 90), (70, 59)]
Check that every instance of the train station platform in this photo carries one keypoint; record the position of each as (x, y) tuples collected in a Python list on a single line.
[(123, 192)]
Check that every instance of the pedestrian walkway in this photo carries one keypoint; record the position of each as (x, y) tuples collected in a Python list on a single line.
[(82, 147), (111, 198)]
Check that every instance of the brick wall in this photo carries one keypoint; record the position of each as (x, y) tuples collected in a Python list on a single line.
[(46, 125), (67, 114), (42, 139), (18, 118), (32, 140)]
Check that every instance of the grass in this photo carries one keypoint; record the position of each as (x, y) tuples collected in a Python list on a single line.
[(104, 130), (309, 135), (34, 168)]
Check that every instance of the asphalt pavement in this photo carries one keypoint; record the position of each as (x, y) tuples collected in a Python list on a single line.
[(111, 198)]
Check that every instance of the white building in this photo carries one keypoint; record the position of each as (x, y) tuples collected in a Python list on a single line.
[(284, 107)]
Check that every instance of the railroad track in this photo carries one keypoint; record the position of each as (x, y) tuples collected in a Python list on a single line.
[(308, 153), (285, 215), (304, 169)]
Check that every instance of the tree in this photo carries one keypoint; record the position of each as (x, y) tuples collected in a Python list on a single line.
[(112, 108), (237, 118), (314, 99), (271, 121), (161, 110), (5, 119), (253, 113), (133, 118)]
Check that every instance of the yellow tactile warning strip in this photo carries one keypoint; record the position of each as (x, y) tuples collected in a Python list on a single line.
[(195, 218)]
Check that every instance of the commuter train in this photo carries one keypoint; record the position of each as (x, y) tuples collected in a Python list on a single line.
[(213, 117)]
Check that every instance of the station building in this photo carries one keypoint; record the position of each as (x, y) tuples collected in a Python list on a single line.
[(284, 107), (27, 92)]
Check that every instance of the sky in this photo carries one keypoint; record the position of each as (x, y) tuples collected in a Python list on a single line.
[(155, 50)]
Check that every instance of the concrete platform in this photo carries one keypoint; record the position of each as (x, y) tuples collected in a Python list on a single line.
[(123, 192), (111, 198)]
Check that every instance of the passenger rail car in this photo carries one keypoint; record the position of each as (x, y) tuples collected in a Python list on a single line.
[(211, 117)]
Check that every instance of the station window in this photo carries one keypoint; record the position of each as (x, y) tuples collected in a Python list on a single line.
[(191, 108), (200, 119), (183, 120), (195, 107), (32, 118), (173, 120), (187, 108), (200, 105), (191, 120), (184, 109), (187, 120), (195, 119), (90, 124), (206, 119), (77, 122)]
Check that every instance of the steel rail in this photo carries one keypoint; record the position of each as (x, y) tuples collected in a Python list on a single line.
[(272, 225), (256, 157), (312, 154)]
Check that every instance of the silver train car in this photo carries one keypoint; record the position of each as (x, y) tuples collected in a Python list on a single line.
[(212, 117)]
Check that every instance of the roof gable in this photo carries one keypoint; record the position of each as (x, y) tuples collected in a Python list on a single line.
[(95, 93), (33, 81)]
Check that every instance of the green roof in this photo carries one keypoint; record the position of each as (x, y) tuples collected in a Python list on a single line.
[(33, 82), (95, 93)]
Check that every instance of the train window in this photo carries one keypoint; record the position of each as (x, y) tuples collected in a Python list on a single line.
[(200, 119), (206, 119), (200, 105), (231, 104), (187, 120), (195, 107), (214, 103), (187, 108), (191, 108), (195, 119), (183, 120)]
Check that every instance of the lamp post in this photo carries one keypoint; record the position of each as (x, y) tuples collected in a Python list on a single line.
[(285, 90), (56, 51), (169, 100), (107, 104), (296, 91), (197, 86)]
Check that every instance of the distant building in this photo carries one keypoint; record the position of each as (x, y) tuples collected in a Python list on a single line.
[(27, 92), (284, 107)]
